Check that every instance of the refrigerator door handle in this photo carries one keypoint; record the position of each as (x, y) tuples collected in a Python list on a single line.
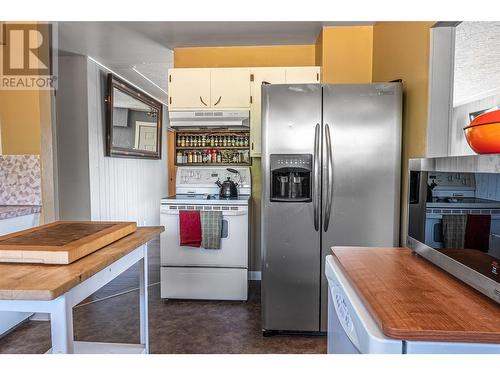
[(316, 173), (329, 177)]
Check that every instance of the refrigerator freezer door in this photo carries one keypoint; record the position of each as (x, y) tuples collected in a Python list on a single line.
[(364, 122), (290, 244)]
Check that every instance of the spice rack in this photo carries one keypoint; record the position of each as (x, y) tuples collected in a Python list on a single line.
[(212, 147)]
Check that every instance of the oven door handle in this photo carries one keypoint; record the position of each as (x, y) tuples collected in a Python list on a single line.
[(225, 213)]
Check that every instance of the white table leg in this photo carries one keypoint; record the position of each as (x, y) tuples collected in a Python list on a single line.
[(143, 295), (61, 326)]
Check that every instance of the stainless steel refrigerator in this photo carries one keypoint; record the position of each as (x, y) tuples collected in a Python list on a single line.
[(331, 164)]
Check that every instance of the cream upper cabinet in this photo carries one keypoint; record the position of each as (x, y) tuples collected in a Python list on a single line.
[(302, 74), (189, 88), (230, 88), (205, 88), (260, 76)]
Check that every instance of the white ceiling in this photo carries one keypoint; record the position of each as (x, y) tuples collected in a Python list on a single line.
[(142, 51), (477, 61)]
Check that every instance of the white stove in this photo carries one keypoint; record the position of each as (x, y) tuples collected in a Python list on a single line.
[(195, 272)]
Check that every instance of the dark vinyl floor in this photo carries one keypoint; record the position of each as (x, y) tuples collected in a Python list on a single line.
[(175, 327)]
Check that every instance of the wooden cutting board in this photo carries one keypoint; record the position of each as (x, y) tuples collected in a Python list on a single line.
[(61, 242)]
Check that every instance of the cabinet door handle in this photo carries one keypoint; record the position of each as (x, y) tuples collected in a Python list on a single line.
[(218, 101), (201, 99)]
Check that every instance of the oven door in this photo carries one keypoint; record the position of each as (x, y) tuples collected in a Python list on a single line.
[(434, 231), (234, 239)]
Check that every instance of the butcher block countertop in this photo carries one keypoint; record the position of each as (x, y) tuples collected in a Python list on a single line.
[(46, 282), (413, 300)]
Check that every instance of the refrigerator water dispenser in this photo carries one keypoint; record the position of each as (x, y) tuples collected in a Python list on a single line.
[(291, 177)]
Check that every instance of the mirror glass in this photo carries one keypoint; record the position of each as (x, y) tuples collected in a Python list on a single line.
[(135, 124)]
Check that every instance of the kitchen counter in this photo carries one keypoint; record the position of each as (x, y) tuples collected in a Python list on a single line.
[(47, 282), (56, 289), (7, 212), (413, 300)]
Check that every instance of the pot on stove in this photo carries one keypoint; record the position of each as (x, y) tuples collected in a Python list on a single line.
[(228, 188)]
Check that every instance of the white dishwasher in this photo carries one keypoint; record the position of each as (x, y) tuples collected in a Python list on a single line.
[(352, 330)]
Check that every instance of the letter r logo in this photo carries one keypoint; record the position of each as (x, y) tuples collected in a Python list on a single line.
[(26, 49)]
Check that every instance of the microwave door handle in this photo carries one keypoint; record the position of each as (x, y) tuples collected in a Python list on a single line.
[(316, 173), (329, 177)]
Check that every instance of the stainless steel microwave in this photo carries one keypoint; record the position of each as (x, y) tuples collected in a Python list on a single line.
[(454, 217)]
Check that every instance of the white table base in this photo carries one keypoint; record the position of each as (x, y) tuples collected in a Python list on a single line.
[(61, 309)]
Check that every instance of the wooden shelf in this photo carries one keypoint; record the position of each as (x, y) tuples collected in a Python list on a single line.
[(213, 148), (214, 164), (205, 131)]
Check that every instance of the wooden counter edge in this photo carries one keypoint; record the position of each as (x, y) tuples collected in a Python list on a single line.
[(406, 335), (148, 233), (440, 336)]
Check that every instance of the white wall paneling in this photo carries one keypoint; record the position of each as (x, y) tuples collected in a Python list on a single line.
[(441, 65), (115, 188)]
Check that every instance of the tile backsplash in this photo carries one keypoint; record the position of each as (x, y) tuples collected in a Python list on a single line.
[(20, 180)]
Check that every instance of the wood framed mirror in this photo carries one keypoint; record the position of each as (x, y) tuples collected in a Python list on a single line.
[(133, 122)]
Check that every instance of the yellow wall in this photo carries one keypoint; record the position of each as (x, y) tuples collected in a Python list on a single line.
[(401, 51), (216, 57), (20, 122), (19, 119), (345, 54)]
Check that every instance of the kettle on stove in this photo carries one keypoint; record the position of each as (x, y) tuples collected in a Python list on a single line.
[(228, 188)]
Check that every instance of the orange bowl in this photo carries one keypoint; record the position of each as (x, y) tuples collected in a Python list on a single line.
[(484, 138)]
